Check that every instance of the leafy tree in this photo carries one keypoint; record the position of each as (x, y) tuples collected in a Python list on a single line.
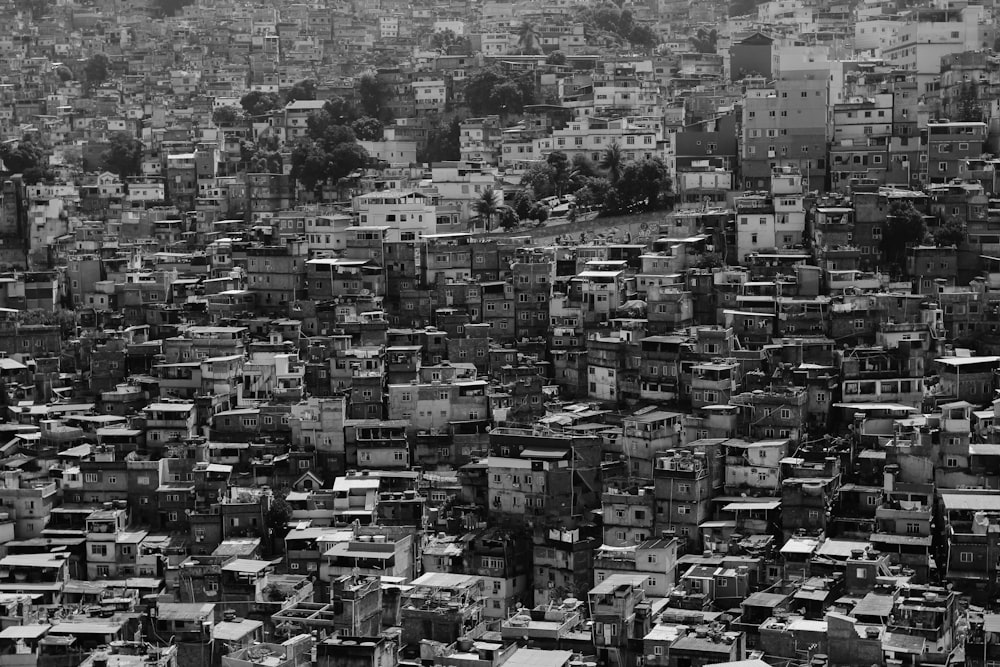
[(952, 232), (710, 260), (328, 135), (487, 206), (373, 96), (523, 202), (539, 212), (257, 103), (561, 170), (644, 37), (507, 218), (22, 158), (37, 8), (340, 111), (507, 98), (969, 108), (279, 513), (479, 90), (704, 41), (539, 179), (302, 90), (328, 155), (644, 183), (309, 165), (64, 73), (96, 69), (227, 116), (583, 167), (556, 58), (265, 162), (527, 38), (368, 129), (904, 226), (592, 191), (490, 89), (447, 41), (123, 156), (170, 7), (613, 161), (443, 143)]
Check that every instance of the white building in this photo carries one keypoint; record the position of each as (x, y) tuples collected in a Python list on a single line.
[(408, 214)]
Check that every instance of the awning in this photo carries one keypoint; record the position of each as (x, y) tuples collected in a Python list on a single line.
[(749, 507)]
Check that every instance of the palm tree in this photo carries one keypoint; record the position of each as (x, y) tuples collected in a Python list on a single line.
[(527, 37), (486, 207), (612, 162)]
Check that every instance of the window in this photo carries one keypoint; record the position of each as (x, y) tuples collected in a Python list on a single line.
[(651, 581), (965, 557), (912, 528), (90, 478), (99, 549), (814, 515)]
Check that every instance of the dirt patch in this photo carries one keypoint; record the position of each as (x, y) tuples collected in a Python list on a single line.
[(619, 227)]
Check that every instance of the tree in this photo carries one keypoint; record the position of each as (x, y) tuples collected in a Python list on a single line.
[(279, 513), (96, 69), (904, 226), (170, 7), (345, 159), (507, 98), (612, 162), (64, 73), (487, 206), (523, 202), (952, 232), (227, 116), (539, 179), (527, 38), (507, 218), (341, 111), (123, 156), (556, 58), (301, 90), (443, 143), (704, 41), (539, 213), (710, 260), (561, 171), (23, 157), (326, 132), (328, 155), (373, 95), (368, 129), (583, 167), (644, 184), (443, 40), (309, 165), (479, 90), (969, 108), (258, 104), (643, 37)]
